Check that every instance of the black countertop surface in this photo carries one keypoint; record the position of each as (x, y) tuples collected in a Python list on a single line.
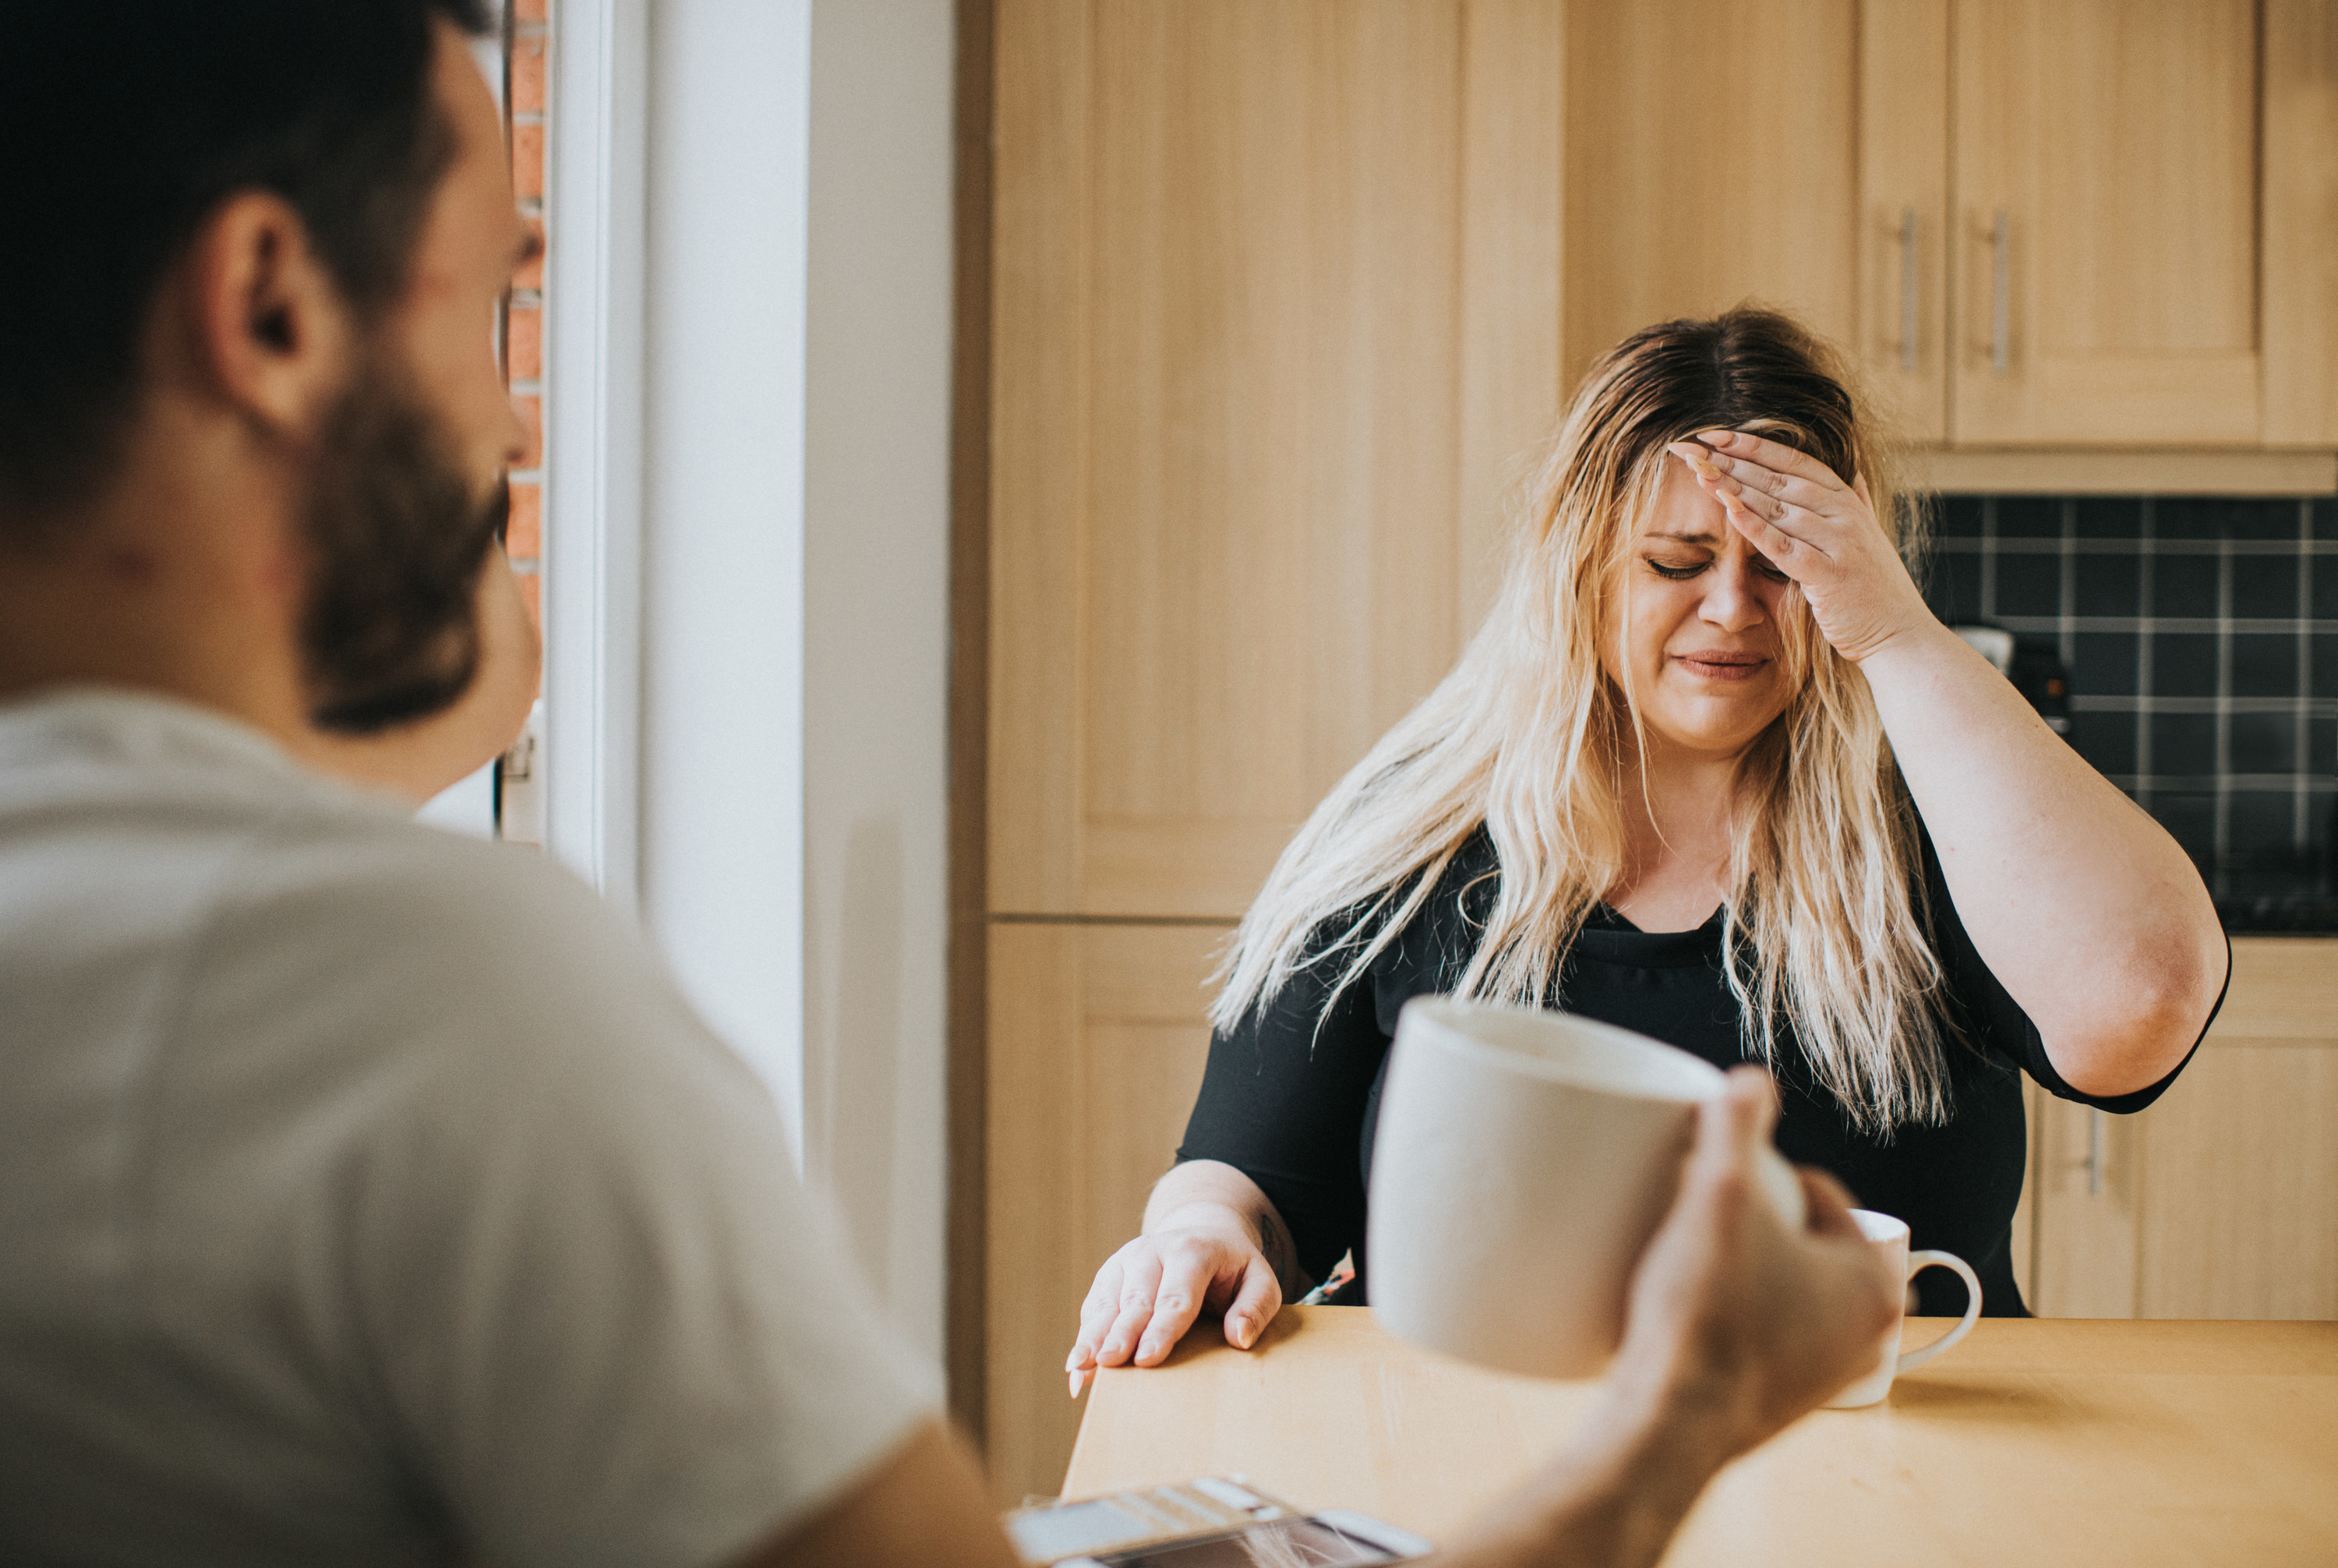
[(2280, 915)]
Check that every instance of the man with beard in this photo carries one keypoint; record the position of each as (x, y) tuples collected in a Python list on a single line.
[(370, 1196)]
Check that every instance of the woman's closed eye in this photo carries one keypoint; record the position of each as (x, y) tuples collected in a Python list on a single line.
[(1682, 571)]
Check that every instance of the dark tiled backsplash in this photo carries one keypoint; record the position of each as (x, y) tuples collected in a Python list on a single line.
[(2201, 642)]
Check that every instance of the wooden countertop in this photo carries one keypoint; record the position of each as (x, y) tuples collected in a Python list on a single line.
[(2036, 1441)]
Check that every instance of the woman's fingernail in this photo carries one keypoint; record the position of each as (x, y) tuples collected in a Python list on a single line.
[(1238, 1329), (1717, 437), (1076, 1380)]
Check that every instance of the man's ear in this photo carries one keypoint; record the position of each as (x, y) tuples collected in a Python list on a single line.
[(270, 332)]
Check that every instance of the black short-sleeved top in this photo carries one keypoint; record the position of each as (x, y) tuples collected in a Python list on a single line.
[(1292, 1105)]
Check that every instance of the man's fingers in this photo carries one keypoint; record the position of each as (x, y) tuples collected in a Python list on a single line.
[(1254, 1306), (1829, 1203)]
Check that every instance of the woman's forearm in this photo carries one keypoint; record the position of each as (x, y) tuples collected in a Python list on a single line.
[(1201, 1193), (2090, 913)]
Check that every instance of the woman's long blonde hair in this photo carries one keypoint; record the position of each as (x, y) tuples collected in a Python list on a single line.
[(1825, 943)]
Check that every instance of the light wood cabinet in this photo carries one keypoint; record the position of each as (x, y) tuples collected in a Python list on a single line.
[(2104, 246), (1276, 314), (2062, 224), (1098, 1035), (1711, 157), (2221, 1199)]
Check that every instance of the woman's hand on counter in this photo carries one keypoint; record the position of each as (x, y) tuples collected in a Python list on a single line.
[(1208, 1235)]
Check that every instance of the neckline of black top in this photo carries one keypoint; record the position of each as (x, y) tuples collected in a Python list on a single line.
[(1607, 937)]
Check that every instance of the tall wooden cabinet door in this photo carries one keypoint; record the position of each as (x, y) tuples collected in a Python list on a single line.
[(2241, 1186), (1902, 332), (2089, 1198), (1098, 1036), (1275, 315), (1711, 158), (2104, 255)]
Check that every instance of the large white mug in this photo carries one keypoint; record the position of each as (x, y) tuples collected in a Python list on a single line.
[(1522, 1161), (1890, 1236)]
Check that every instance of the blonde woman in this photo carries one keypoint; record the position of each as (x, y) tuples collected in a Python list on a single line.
[(1713, 772)]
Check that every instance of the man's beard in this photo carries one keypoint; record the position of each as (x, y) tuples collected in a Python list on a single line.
[(395, 542)]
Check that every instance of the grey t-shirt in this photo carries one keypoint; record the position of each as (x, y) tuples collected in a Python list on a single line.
[(370, 1196)]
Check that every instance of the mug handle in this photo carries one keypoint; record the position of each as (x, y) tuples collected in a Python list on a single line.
[(1917, 1263)]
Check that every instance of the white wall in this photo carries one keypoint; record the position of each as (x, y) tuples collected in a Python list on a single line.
[(723, 584), (876, 627), (786, 190)]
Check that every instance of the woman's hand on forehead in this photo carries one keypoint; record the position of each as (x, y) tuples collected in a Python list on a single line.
[(1816, 529)]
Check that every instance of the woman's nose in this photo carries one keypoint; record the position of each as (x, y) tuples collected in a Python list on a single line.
[(1731, 602)]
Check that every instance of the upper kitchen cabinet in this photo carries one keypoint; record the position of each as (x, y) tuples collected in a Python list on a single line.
[(1275, 313), (1710, 158), (1795, 153), (2105, 246), (2037, 223)]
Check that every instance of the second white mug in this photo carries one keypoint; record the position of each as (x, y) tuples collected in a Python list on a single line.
[(1891, 1235)]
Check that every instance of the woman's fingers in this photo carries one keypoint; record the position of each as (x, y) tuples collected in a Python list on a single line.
[(1140, 1283), (1185, 1276), (1785, 550), (1254, 1306), (1767, 486), (1776, 457)]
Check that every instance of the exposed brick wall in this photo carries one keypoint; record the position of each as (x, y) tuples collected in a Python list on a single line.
[(529, 34)]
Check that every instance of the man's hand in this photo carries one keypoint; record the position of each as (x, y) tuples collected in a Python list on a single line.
[(1737, 1326)]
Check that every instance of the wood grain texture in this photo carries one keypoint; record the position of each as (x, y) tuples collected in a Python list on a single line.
[(2032, 1443), (1711, 158), (2165, 471), (1260, 262), (2089, 1197), (2122, 145), (1098, 1035), (2300, 215), (2221, 1201), (2240, 1187), (1512, 380), (1039, 446), (1903, 171)]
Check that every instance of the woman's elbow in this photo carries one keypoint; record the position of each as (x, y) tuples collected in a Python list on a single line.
[(2140, 1029)]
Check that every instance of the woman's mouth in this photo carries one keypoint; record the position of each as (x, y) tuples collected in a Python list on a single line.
[(1721, 664)]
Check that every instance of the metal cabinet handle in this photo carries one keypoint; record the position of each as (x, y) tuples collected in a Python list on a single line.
[(2000, 330), (2095, 1153), (1907, 284)]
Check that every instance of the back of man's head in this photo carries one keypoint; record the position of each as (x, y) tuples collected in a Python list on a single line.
[(124, 124)]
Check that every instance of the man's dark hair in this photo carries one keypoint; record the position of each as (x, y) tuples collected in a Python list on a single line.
[(124, 123)]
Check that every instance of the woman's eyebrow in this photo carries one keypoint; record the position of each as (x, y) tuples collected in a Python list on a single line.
[(1693, 536)]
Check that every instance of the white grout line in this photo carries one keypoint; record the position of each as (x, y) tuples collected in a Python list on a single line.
[(2223, 829), (2142, 628), (2301, 826)]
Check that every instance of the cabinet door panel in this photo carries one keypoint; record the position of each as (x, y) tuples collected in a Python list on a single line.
[(2241, 1189), (1711, 158), (2121, 146), (1903, 209), (2089, 1198), (1255, 260), (1097, 1039)]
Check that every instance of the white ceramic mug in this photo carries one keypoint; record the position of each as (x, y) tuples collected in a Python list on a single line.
[(1522, 1161), (1892, 1236)]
